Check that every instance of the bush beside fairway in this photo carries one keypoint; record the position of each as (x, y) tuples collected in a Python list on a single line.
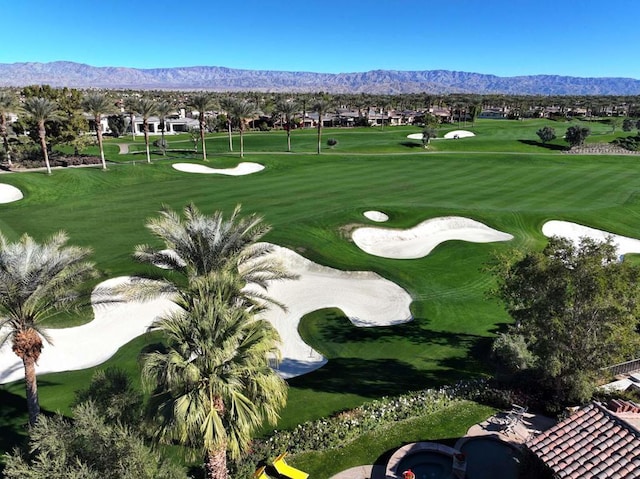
[(310, 201)]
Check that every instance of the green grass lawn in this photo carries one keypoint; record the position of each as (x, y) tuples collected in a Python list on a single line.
[(497, 178), (377, 447)]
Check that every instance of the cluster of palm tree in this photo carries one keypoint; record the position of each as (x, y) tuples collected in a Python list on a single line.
[(212, 386)]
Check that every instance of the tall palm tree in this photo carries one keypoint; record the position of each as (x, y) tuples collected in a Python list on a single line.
[(212, 385), (287, 110), (226, 103), (163, 110), (8, 104), (242, 111), (321, 106), (42, 110), (202, 103), (196, 244), (97, 104), (37, 281), (145, 107)]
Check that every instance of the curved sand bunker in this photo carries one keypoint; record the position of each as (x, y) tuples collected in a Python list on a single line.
[(114, 325), (459, 134), (415, 136), (244, 168), (365, 297), (377, 216), (420, 240), (9, 193), (574, 232)]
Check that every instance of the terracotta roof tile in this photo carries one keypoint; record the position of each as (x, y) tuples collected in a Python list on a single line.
[(590, 443)]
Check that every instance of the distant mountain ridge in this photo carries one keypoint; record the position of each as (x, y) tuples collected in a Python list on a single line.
[(79, 75)]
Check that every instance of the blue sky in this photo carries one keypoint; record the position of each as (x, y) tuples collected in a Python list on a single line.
[(587, 38)]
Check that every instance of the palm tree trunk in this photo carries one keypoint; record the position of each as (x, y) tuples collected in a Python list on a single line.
[(42, 133), (146, 142), (319, 134), (289, 138), (133, 126), (31, 385), (216, 464), (99, 135), (230, 139), (204, 146), (241, 141)]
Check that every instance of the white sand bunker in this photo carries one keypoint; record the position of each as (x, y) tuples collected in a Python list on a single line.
[(9, 193), (81, 347), (244, 168), (415, 136), (455, 134), (377, 216), (574, 232), (420, 240), (365, 298)]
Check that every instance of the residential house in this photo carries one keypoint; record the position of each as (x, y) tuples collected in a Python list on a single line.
[(594, 442)]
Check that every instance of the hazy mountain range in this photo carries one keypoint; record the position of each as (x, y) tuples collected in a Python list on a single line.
[(78, 75)]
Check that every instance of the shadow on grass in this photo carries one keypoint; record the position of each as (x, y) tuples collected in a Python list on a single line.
[(13, 422), (548, 146), (410, 144), (336, 328), (376, 377)]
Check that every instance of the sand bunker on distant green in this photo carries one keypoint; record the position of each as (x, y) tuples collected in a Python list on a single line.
[(244, 168), (574, 232), (420, 240), (9, 193), (377, 216), (455, 134)]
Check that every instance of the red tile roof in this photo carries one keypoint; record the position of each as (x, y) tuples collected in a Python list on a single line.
[(591, 443)]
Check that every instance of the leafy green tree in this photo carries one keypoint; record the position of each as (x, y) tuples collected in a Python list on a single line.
[(70, 126), (428, 133), (8, 104), (615, 123), (475, 108), (513, 352), (87, 447), (117, 125), (241, 111), (42, 111), (576, 308), (97, 104), (202, 103), (112, 393), (546, 134), (576, 135), (321, 106), (36, 282), (627, 124)]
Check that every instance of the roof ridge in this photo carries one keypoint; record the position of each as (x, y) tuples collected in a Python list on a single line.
[(617, 419)]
